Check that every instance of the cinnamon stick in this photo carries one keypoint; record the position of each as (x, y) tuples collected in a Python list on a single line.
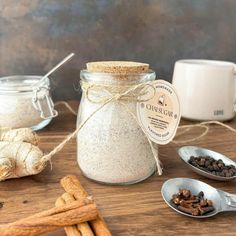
[(70, 230), (52, 219), (84, 227), (72, 185)]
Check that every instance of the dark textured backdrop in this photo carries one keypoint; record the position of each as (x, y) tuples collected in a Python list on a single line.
[(36, 34)]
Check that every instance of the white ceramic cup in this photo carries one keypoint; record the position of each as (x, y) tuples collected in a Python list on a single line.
[(206, 89)]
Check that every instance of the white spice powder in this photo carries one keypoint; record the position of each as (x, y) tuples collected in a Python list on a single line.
[(112, 148), (17, 111)]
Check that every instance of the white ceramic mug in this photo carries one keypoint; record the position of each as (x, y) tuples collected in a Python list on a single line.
[(206, 89)]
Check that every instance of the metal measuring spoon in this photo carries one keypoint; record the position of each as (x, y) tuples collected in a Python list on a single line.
[(186, 152), (222, 201)]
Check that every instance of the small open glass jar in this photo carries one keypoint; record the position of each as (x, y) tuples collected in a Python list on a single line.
[(25, 101), (111, 146)]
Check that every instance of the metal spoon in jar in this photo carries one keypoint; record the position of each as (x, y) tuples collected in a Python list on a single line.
[(37, 102), (186, 152), (222, 201), (57, 66)]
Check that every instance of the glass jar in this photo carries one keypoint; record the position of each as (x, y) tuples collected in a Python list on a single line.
[(25, 101), (111, 146)]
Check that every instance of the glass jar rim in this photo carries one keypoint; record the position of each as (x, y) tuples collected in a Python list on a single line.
[(113, 77), (22, 83)]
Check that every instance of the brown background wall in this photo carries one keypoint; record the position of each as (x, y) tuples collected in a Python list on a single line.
[(36, 34)]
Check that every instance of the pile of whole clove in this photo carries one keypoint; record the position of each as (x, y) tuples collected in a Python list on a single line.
[(212, 166), (195, 205)]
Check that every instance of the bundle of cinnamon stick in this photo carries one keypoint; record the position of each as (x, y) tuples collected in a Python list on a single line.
[(74, 210), (75, 191)]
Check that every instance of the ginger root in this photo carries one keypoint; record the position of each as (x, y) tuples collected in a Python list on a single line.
[(20, 135), (19, 155)]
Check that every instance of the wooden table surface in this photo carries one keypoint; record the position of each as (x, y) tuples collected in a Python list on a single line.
[(128, 210)]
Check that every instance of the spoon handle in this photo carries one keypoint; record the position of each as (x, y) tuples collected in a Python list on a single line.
[(228, 201), (231, 200)]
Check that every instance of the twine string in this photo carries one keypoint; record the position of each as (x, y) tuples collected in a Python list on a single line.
[(60, 146), (113, 97), (203, 124), (186, 129)]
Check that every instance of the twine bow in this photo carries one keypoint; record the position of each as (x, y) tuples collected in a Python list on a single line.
[(126, 93)]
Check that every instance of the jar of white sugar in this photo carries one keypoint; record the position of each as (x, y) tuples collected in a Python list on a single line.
[(25, 101), (111, 146)]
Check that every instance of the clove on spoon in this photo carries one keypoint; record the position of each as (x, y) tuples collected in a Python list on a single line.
[(195, 205)]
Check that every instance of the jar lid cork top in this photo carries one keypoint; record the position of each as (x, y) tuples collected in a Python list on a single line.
[(117, 67)]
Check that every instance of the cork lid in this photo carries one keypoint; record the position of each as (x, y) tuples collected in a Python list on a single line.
[(118, 67)]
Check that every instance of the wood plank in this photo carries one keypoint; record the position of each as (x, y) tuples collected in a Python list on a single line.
[(129, 210)]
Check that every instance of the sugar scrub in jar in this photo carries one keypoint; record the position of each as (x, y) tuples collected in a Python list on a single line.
[(111, 146), (25, 101)]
